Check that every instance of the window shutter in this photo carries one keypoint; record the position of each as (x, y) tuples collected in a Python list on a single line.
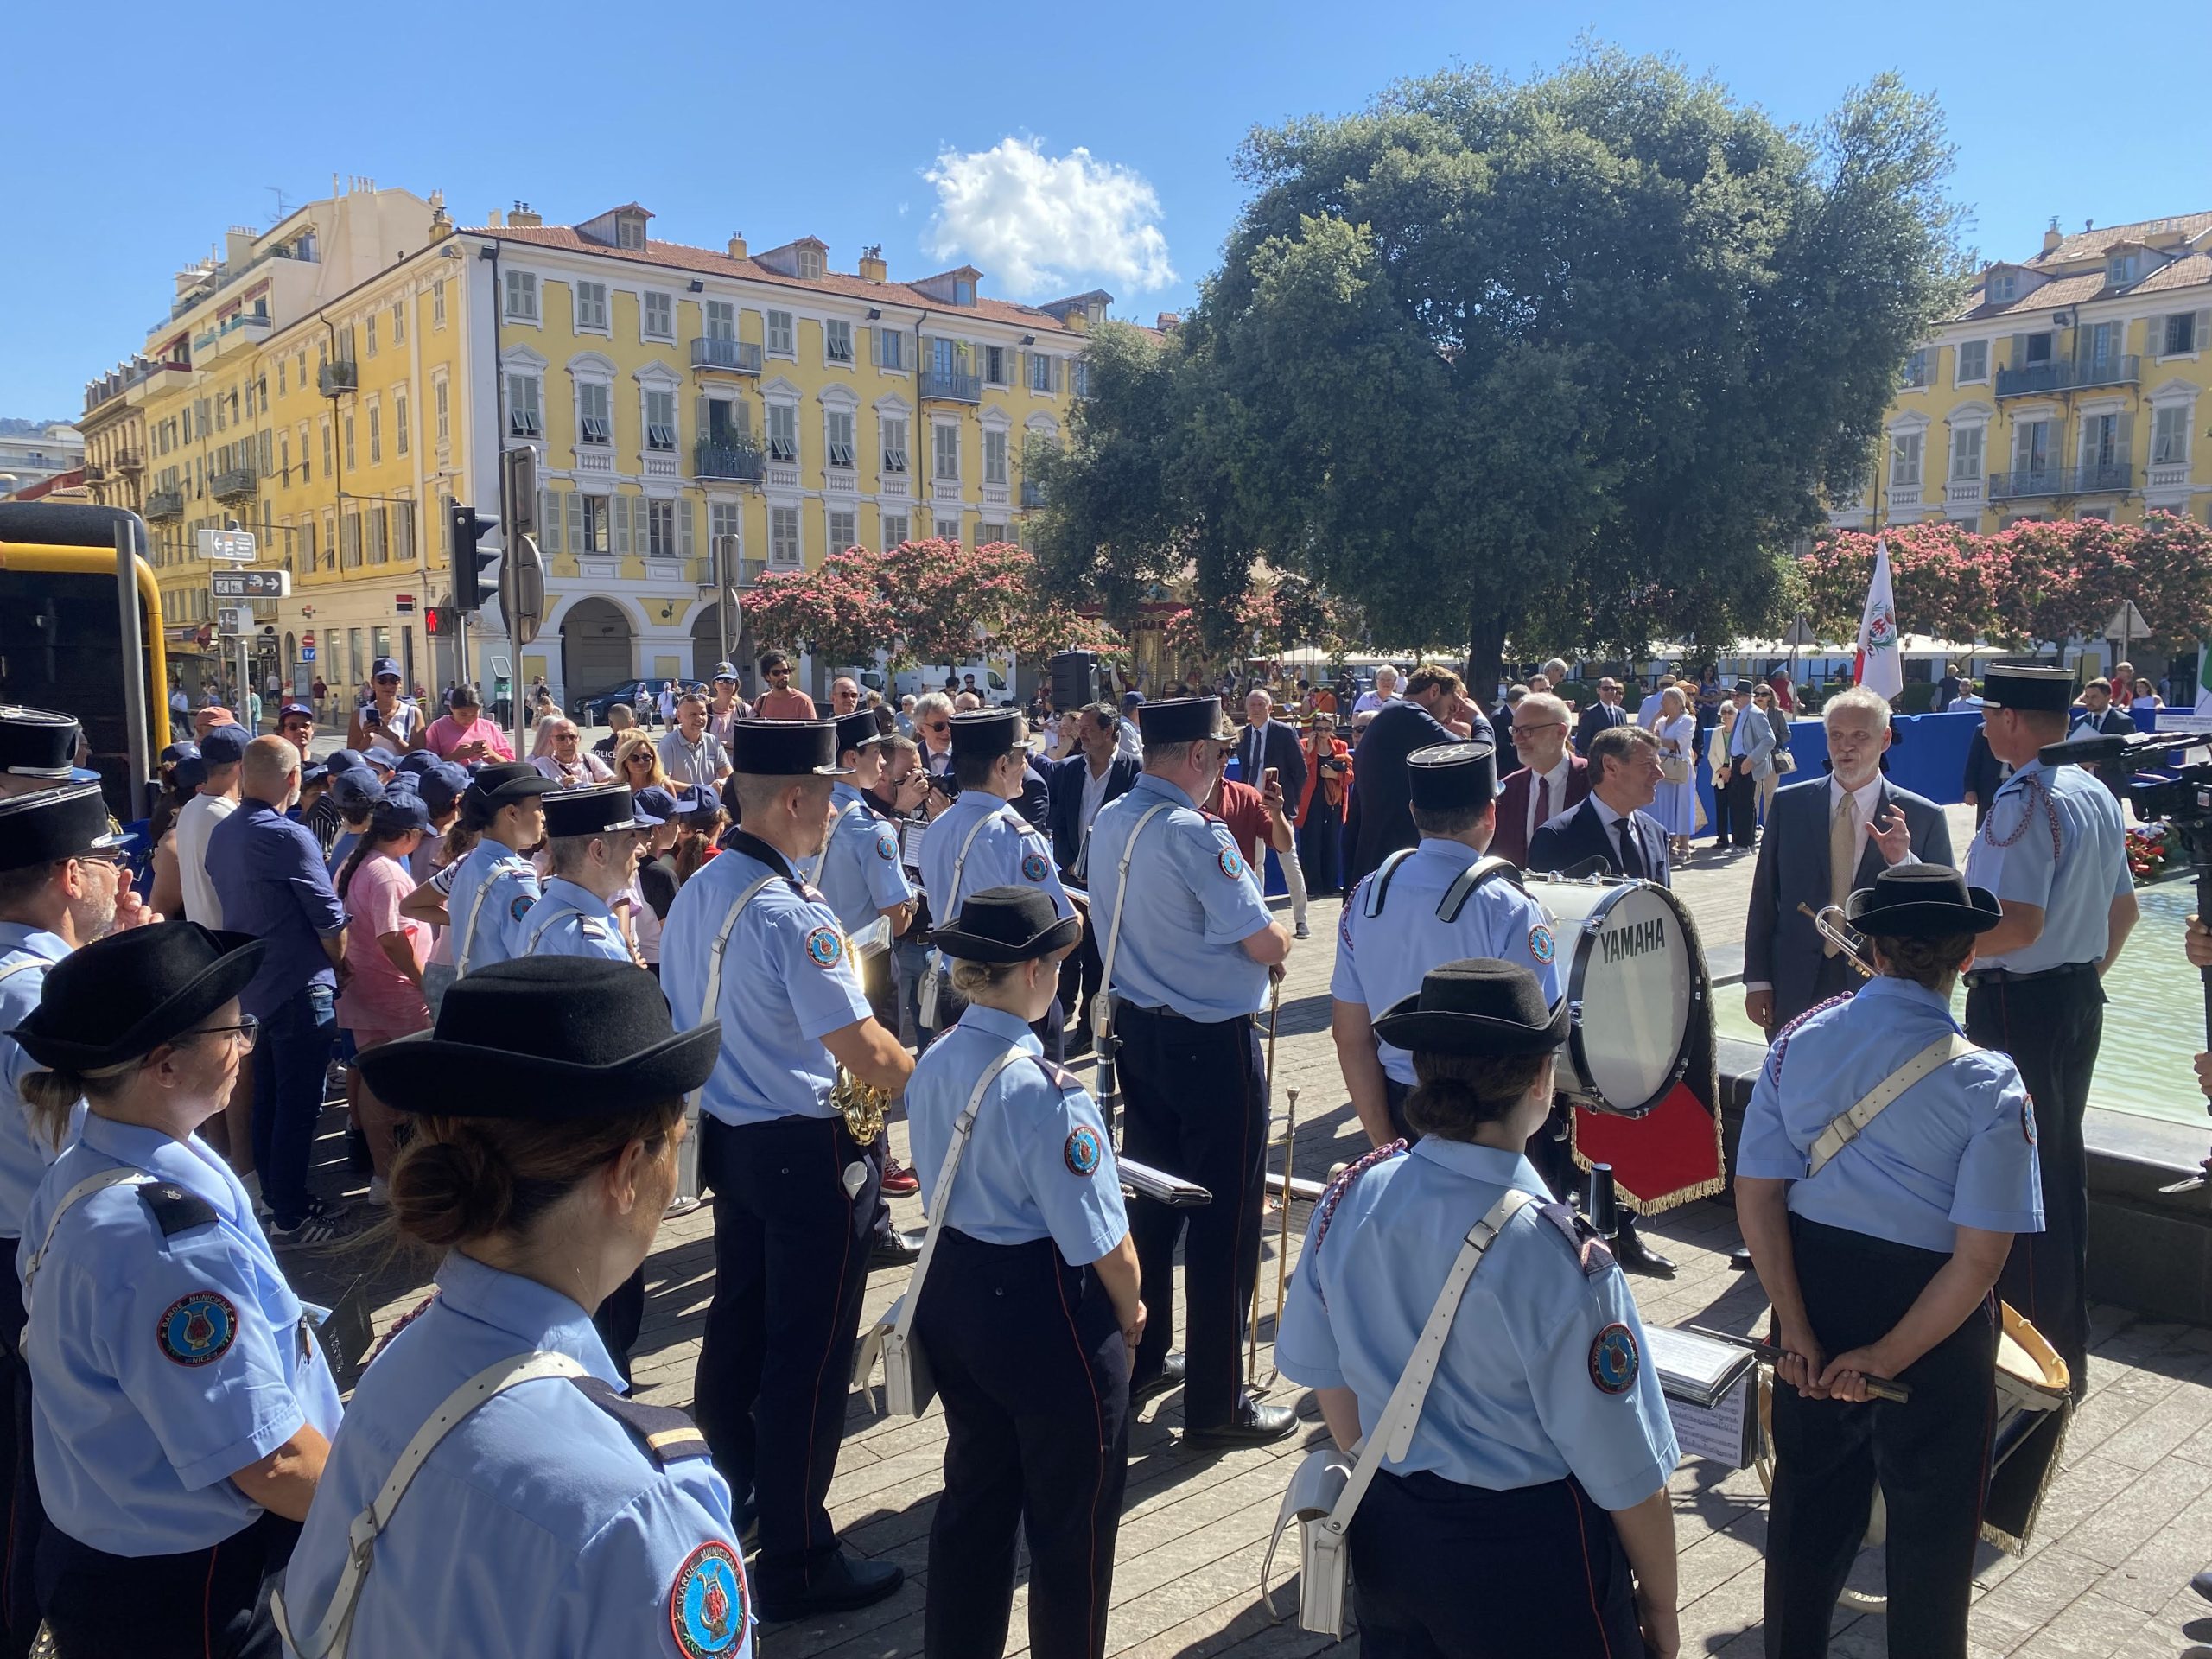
[(684, 513), (576, 537), (2123, 438), (621, 524), (2019, 357), (2200, 335), (549, 522), (702, 426)]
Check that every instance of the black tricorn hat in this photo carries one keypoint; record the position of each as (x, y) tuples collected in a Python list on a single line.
[(49, 824), (784, 748), (555, 1038), (1007, 924), (1922, 901), (595, 809), (1475, 1007), (120, 998), (506, 782), (1447, 777), (1183, 719)]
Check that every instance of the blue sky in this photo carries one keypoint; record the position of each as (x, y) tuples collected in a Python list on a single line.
[(943, 132)]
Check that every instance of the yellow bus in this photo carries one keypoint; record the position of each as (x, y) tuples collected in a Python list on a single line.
[(61, 636)]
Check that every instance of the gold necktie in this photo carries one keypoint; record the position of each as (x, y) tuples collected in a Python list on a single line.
[(1843, 857)]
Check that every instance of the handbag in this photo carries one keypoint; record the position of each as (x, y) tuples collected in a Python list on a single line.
[(1325, 1493), (908, 1388), (1675, 768)]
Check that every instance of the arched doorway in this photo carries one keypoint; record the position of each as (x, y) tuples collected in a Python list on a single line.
[(595, 648), (707, 642)]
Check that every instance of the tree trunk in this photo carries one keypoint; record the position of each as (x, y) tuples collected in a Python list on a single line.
[(1485, 655)]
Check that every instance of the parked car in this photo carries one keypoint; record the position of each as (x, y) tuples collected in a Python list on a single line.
[(592, 710)]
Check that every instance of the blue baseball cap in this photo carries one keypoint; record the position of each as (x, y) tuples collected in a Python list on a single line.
[(314, 772), (355, 788), (386, 665), (191, 772), (177, 752), (401, 811), (416, 762), (345, 760), (656, 805), (224, 746), (296, 708), (441, 786)]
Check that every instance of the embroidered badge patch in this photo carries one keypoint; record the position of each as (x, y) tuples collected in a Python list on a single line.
[(1613, 1360), (518, 907), (1034, 867), (887, 846), (824, 947), (199, 1328), (2028, 1117), (1082, 1152), (1232, 864), (1542, 946), (707, 1610)]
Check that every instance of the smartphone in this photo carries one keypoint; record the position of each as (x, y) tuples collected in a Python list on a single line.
[(1268, 778)]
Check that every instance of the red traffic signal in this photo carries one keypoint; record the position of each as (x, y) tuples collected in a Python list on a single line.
[(433, 620)]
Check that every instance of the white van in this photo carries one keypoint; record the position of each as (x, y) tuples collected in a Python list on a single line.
[(994, 686)]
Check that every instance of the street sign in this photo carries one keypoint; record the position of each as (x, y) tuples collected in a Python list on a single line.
[(520, 481), (404, 604), (234, 620), (307, 654), (307, 639), (251, 584), (2127, 623), (521, 590), (234, 546)]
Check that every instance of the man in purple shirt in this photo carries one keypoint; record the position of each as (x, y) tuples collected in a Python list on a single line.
[(269, 871)]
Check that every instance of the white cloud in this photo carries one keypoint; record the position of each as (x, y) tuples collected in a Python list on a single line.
[(1038, 222)]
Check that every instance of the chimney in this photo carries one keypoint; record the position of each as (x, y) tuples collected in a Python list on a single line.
[(1169, 322), (494, 222), (441, 220), (737, 246), (2088, 225), (2051, 237), (873, 270), (521, 218)]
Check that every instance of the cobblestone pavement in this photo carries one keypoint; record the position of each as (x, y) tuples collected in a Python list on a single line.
[(2127, 1521)]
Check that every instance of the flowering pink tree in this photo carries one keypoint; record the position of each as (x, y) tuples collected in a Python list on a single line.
[(839, 611)]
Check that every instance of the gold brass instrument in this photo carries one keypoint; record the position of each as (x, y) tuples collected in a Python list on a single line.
[(1829, 923), (1275, 1013), (860, 1104), (1282, 1241)]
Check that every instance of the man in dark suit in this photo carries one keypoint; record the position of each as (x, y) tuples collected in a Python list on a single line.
[(1549, 781), (1855, 811), (1611, 826), (1600, 716), (1380, 819), (1266, 742), (1985, 775), (2097, 713), (1077, 788)]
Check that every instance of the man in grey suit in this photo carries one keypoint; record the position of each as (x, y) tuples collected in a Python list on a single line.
[(1750, 758), (1856, 811)]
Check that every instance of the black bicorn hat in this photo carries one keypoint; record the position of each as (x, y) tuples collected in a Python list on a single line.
[(595, 809), (49, 824), (1479, 1006), (2029, 686), (1448, 777), (859, 729), (1007, 924), (40, 743), (509, 781), (1184, 720), (120, 998), (986, 731), (1922, 901), (553, 1039), (784, 748)]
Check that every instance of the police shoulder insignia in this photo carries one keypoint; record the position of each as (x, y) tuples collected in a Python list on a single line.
[(1344, 924), (198, 1328), (2028, 1117), (825, 947), (518, 907), (1542, 946), (1056, 1076), (174, 1210), (1035, 866), (1082, 1152), (1614, 1360), (708, 1611), (1589, 1249), (887, 846), (1232, 862), (664, 1434)]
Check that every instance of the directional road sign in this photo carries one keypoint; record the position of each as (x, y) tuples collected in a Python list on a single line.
[(233, 546), (251, 584)]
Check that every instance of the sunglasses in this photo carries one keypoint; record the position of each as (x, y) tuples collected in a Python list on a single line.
[(936, 725), (247, 1031), (638, 760)]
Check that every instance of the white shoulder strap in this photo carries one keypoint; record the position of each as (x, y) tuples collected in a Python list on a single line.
[(468, 927), (362, 1532), (941, 1194), (1104, 1022), (75, 1196), (1845, 1128), (960, 862), (554, 914), (1394, 1432), (14, 968)]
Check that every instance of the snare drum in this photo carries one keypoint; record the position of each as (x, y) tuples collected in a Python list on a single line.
[(1631, 986), (2033, 1407)]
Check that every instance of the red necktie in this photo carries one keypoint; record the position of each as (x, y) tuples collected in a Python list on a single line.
[(1543, 799)]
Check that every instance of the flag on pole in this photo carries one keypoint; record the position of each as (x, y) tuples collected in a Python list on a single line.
[(2203, 691), (1880, 666)]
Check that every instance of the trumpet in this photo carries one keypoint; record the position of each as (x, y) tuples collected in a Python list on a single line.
[(1829, 923)]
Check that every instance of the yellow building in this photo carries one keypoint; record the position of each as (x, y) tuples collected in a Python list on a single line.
[(2067, 387)]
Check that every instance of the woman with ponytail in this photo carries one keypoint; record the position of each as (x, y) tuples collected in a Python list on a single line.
[(547, 1104), (180, 1405), (1529, 1513), (384, 955)]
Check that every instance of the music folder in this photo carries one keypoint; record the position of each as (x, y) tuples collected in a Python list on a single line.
[(1161, 1187)]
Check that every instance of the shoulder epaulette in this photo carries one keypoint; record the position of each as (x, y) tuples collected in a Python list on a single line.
[(1060, 1077), (1782, 1038), (174, 1210), (663, 1433), (1341, 1184), (1582, 1238)]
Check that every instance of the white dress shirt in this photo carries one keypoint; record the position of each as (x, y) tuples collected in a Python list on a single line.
[(1554, 796)]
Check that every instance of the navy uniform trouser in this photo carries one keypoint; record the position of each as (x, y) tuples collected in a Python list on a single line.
[(18, 1480), (1930, 1456), (1029, 1361), (2051, 1026), (1444, 1571), (776, 1359), (619, 1318), (1195, 1104), (204, 1604)]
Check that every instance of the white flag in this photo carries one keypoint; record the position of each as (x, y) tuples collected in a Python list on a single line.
[(1880, 666)]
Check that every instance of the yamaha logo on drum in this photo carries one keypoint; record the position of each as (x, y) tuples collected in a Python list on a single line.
[(1635, 939)]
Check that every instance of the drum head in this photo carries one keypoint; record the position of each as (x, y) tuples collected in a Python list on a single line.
[(1632, 982)]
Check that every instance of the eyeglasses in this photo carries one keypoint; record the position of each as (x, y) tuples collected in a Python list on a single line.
[(570, 737), (1519, 731), (247, 1031)]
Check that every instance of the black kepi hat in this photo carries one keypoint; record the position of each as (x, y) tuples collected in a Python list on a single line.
[(120, 998), (554, 1039), (595, 810), (507, 782), (784, 748), (1183, 719), (1450, 777), (861, 728), (40, 743), (49, 824), (1475, 1007), (1922, 901), (1007, 924), (986, 731), (2030, 687)]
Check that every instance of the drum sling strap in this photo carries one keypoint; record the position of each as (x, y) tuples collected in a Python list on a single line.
[(687, 1155), (939, 982), (907, 1386), (1322, 1497), (468, 928), (1102, 1022), (1455, 896), (328, 1639), (1845, 1128)]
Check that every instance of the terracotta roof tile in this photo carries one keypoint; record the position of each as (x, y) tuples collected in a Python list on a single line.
[(2191, 272), (2092, 244)]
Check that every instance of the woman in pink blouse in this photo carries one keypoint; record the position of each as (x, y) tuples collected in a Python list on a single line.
[(385, 953), (463, 735)]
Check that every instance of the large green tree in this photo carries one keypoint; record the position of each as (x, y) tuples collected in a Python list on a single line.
[(1568, 360)]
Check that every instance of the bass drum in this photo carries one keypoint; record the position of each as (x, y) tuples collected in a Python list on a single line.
[(1630, 984)]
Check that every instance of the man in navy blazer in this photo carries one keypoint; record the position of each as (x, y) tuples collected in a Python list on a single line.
[(1610, 825), (1787, 966), (1550, 778), (1600, 715), (1077, 788)]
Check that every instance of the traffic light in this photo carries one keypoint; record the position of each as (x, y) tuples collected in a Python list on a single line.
[(473, 587), (436, 621)]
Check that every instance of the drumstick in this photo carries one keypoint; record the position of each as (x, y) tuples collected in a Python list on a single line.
[(1282, 1241)]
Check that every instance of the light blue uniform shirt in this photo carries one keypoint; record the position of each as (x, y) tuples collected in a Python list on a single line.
[(2054, 838), (1008, 851), (1193, 902), (539, 1527), (160, 1366), (1039, 1161), (570, 921), (787, 982), (1381, 960), (494, 888), (859, 872), (1546, 1372), (25, 954), (1957, 1150)]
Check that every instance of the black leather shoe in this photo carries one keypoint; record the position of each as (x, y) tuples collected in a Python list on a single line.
[(845, 1583), (1251, 1424), (2202, 1583), (1740, 1259), (1637, 1256), (896, 1250), (1077, 1042), (1169, 1375)]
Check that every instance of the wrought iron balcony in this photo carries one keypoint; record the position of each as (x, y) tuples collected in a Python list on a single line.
[(2027, 480), (952, 385), (233, 484), (129, 461), (343, 375), (734, 356), (2100, 478), (164, 504), (2028, 380), (739, 460)]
